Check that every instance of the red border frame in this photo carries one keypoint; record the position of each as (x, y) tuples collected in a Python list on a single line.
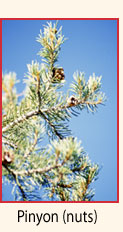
[(117, 19)]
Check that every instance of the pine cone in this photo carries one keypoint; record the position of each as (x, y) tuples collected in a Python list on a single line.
[(58, 74), (7, 157), (72, 101)]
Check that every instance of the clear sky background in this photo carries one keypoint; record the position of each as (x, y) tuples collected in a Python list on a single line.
[(91, 48)]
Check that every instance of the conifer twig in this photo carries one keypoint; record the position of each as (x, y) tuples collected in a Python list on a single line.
[(51, 125), (38, 170), (20, 119), (37, 112), (15, 178), (69, 106)]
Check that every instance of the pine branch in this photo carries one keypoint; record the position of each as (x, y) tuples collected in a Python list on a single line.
[(37, 112), (79, 102), (20, 119), (38, 170), (42, 114), (16, 180), (51, 125)]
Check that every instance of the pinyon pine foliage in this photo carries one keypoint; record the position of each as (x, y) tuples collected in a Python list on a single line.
[(61, 170)]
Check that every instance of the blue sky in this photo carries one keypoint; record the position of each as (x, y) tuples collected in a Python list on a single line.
[(91, 47)]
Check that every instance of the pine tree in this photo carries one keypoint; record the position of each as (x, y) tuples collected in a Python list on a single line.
[(61, 169)]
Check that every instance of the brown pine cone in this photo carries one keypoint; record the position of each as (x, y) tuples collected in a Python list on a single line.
[(72, 101), (7, 157), (58, 74)]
